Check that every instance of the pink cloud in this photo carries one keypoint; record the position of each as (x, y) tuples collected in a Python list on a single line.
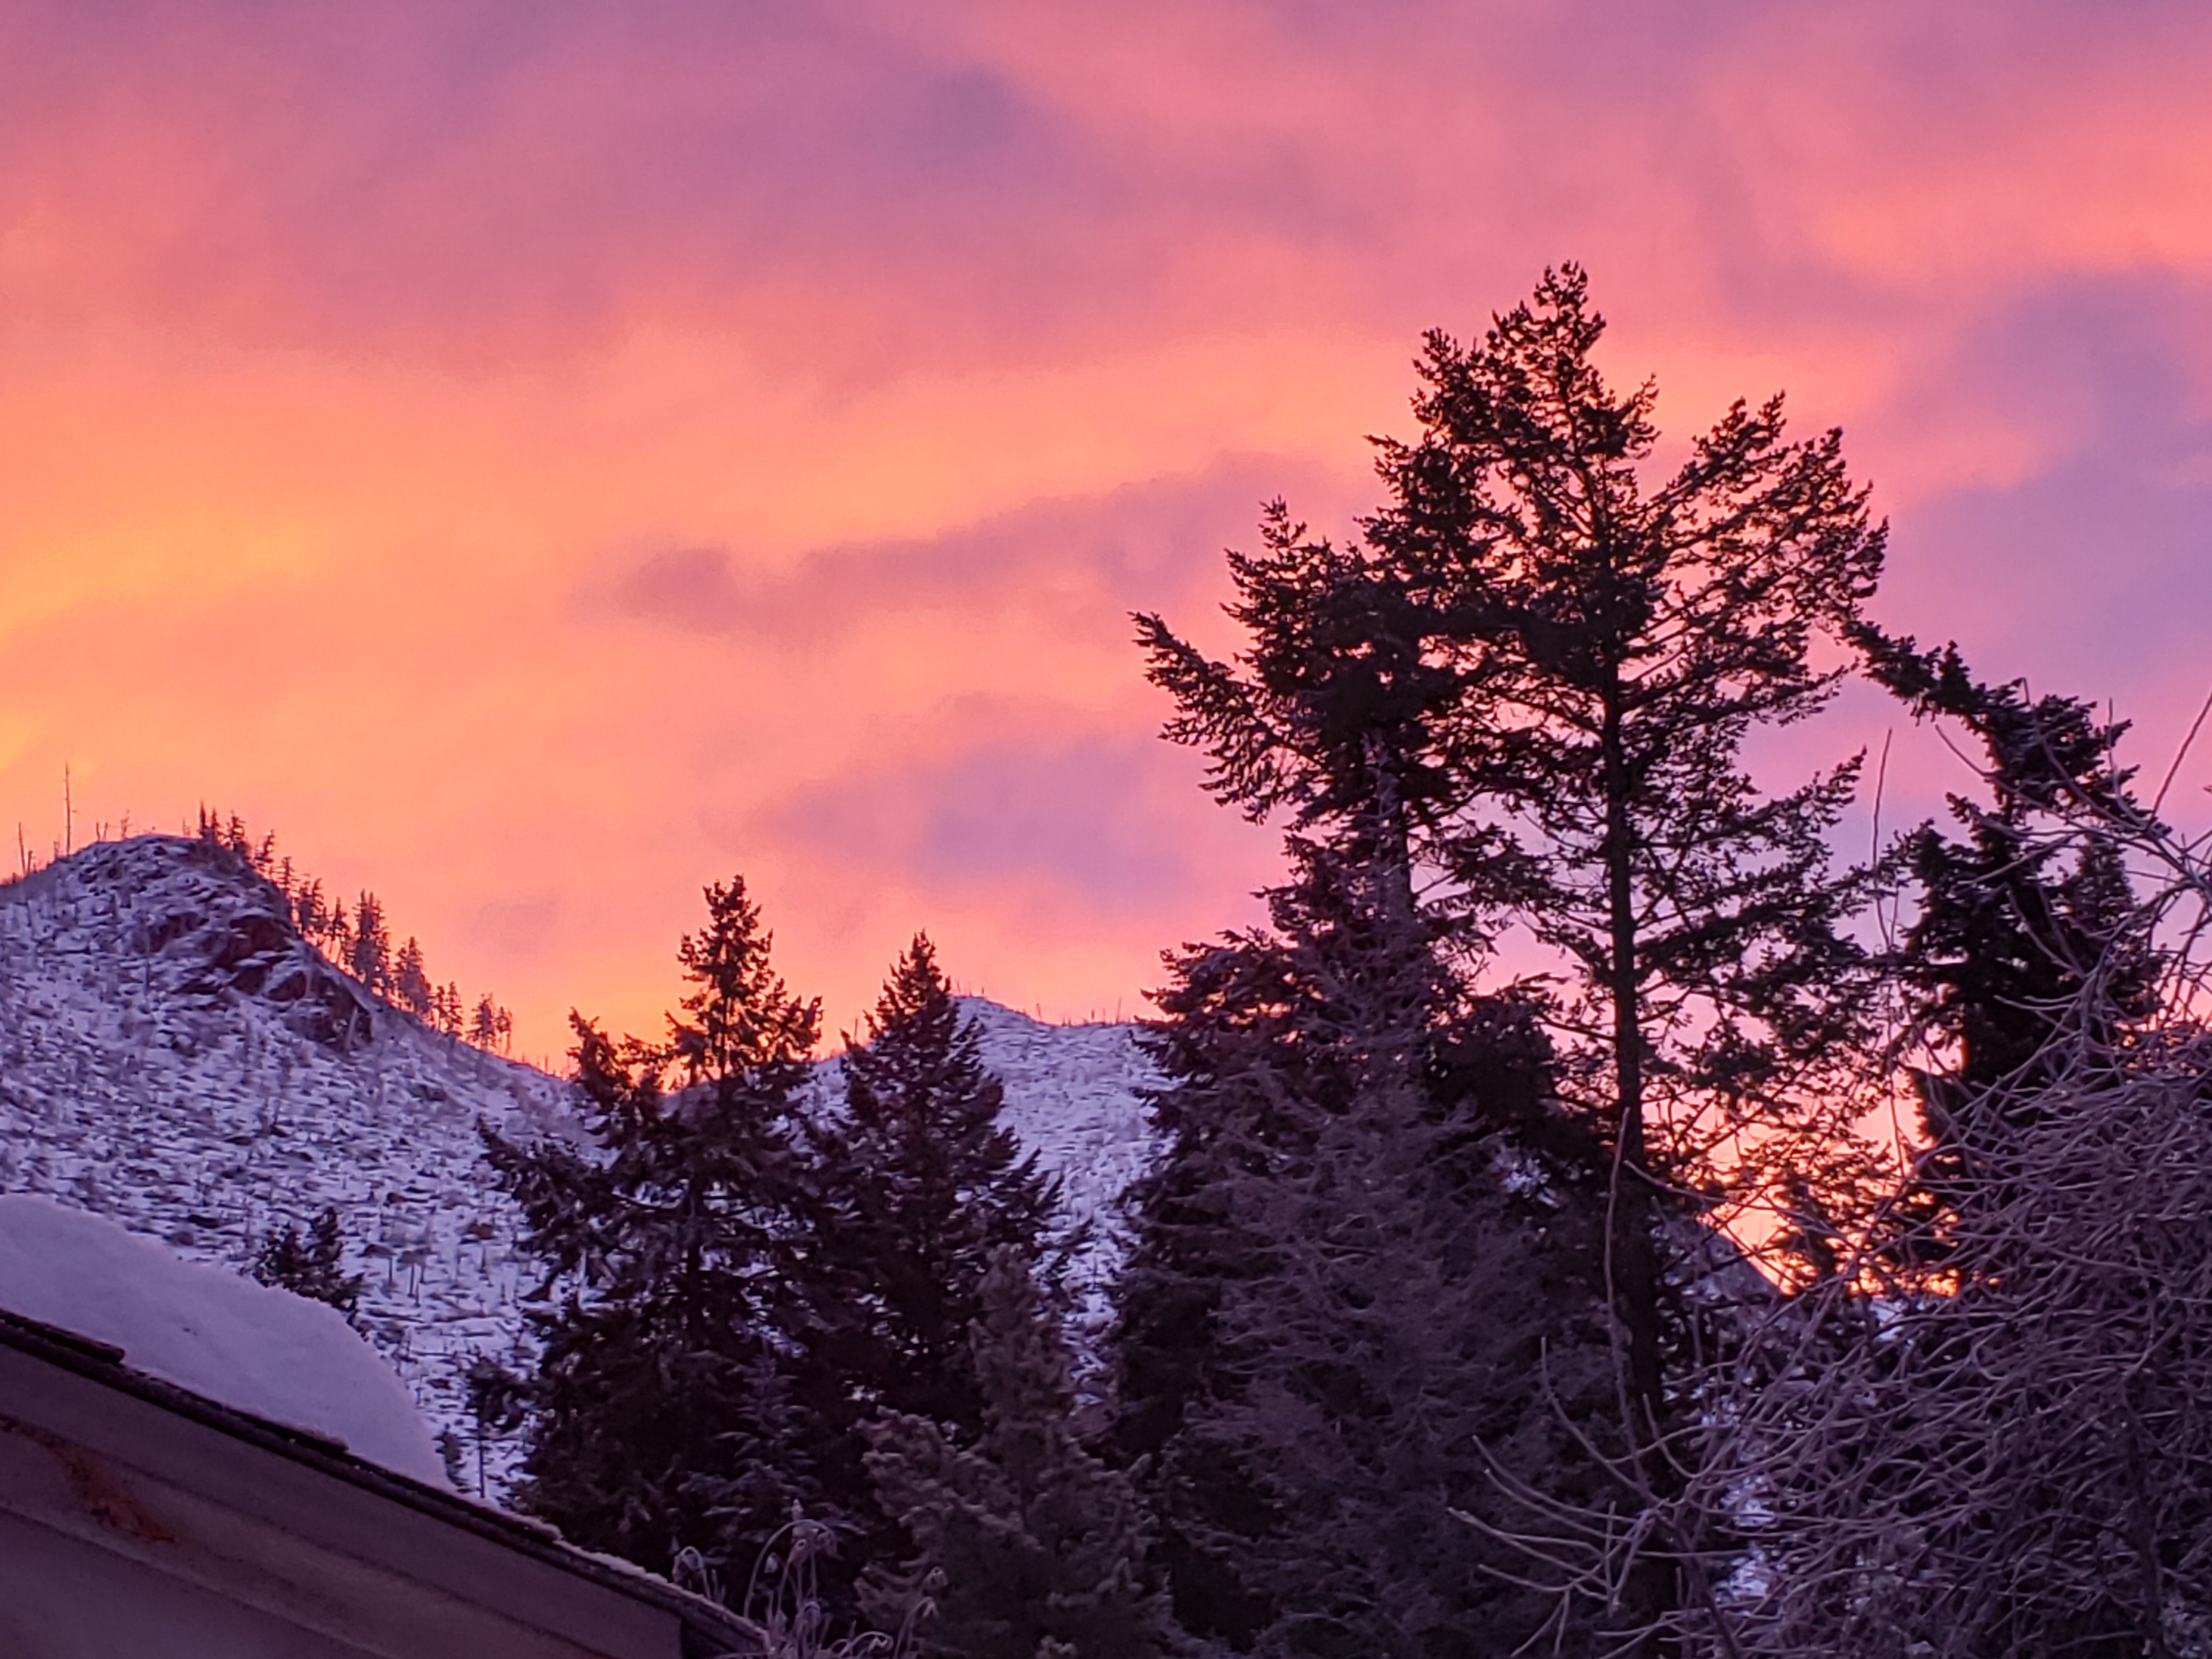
[(541, 458), (1085, 562)]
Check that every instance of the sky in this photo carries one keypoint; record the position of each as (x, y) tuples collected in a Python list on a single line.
[(540, 458)]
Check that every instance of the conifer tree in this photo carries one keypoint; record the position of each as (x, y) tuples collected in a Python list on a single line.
[(488, 1022), (924, 1185), (369, 945), (316, 921), (1991, 1437), (2025, 951), (1331, 1318), (914, 1187), (1532, 680), (662, 1419), (1364, 1282), (313, 1267), (410, 980), (1617, 645), (1025, 1545), (2004, 943)]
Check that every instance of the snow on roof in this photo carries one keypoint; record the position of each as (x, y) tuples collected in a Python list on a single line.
[(257, 1350)]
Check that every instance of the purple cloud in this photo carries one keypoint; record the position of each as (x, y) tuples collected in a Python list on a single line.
[(1090, 561), (1115, 824), (2092, 575)]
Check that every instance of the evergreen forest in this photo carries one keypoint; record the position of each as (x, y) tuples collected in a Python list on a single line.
[(1811, 1257)]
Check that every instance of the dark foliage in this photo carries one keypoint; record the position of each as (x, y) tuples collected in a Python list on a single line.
[(2026, 951), (915, 1189), (665, 1419), (1365, 1280), (410, 983), (313, 1266), (1617, 644), (1522, 699), (1340, 721), (1991, 1436), (2016, 918), (369, 955), (1024, 1544)]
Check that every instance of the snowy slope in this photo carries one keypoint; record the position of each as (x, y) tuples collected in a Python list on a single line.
[(174, 1056), (264, 1351), (1071, 1096)]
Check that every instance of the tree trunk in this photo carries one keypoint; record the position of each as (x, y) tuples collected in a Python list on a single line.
[(1632, 1269)]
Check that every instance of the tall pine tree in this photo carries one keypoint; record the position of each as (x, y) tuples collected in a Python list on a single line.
[(1619, 644), (663, 1415), (1522, 699), (915, 1188), (928, 1185), (1331, 1318)]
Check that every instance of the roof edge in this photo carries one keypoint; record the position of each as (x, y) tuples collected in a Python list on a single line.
[(105, 1364)]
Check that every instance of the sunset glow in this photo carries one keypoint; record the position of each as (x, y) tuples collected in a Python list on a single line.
[(540, 459)]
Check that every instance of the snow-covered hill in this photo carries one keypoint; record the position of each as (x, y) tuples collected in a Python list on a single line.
[(172, 1055)]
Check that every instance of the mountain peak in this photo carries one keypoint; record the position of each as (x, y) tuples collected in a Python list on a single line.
[(175, 1055), (207, 924)]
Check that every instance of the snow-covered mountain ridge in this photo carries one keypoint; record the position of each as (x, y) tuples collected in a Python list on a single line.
[(172, 1055)]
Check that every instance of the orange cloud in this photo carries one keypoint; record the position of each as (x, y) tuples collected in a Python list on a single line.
[(540, 460)]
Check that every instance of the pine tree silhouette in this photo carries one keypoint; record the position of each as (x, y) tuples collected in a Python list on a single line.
[(664, 1417), (1522, 699), (2019, 919), (914, 1189), (369, 954), (410, 981)]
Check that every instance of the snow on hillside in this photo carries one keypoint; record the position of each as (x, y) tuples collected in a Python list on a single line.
[(174, 1056), (1073, 1096), (260, 1351)]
